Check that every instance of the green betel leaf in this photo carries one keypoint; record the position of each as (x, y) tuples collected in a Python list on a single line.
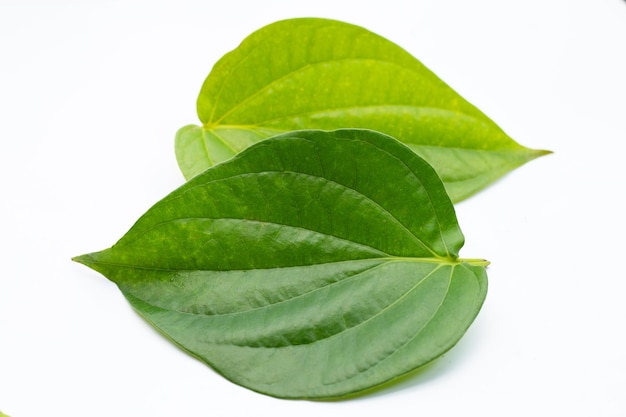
[(325, 74), (313, 264)]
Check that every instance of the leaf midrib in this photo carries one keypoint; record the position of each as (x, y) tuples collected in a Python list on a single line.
[(430, 109), (443, 261)]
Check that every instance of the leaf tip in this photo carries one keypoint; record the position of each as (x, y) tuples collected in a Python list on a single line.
[(86, 259), (536, 153)]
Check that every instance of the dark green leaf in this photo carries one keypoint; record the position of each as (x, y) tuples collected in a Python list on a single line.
[(312, 265), (325, 74)]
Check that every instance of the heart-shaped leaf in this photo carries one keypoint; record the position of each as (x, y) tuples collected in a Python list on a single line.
[(325, 74), (312, 265)]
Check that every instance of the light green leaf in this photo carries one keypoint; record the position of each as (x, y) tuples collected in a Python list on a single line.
[(325, 74), (313, 264), (2, 414)]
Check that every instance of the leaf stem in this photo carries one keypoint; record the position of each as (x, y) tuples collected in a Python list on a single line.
[(445, 260), (475, 261)]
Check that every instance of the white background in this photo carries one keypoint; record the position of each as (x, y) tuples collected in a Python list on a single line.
[(92, 92)]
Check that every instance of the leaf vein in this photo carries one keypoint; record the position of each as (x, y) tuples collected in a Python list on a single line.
[(293, 72)]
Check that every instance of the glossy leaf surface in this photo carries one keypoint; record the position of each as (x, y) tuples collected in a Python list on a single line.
[(325, 74), (314, 264)]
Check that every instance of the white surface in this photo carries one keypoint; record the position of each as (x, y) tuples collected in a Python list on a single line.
[(91, 94)]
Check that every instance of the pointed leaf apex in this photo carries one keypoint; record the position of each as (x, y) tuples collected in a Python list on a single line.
[(86, 259)]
